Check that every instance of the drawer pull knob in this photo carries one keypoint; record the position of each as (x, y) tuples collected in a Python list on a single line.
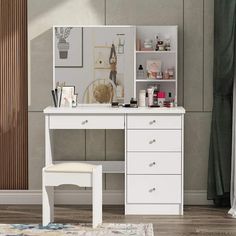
[(152, 164), (152, 122), (152, 190), (152, 141), (84, 122)]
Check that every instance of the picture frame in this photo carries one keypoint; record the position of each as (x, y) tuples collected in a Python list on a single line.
[(68, 47), (67, 96), (153, 67)]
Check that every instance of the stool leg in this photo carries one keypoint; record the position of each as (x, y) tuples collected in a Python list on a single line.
[(48, 204), (97, 196)]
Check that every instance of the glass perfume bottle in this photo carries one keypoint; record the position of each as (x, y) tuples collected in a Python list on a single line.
[(140, 72), (167, 44)]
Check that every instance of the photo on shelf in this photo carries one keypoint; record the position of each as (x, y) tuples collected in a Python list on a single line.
[(153, 68), (67, 96)]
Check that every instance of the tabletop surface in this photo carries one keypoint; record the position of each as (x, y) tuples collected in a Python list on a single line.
[(107, 109)]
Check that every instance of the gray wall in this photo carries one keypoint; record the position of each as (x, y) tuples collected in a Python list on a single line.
[(195, 21)]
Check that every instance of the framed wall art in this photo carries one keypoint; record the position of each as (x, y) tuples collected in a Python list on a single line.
[(68, 47)]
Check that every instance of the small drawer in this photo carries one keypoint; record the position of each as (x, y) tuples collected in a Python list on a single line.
[(86, 122), (154, 163), (154, 122), (154, 140), (153, 188)]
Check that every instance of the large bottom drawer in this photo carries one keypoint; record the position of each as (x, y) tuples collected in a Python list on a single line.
[(153, 188)]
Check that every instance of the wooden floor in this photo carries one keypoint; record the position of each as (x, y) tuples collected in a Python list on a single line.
[(197, 220)]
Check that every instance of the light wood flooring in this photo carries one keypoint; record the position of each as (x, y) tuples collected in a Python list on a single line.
[(197, 220)]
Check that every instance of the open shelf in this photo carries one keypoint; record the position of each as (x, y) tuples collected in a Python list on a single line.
[(168, 59), (108, 167), (155, 52), (155, 80)]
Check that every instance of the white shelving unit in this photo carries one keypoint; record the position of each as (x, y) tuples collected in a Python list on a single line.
[(154, 80), (155, 52), (169, 59)]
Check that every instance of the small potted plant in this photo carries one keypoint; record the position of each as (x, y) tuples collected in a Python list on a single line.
[(62, 33)]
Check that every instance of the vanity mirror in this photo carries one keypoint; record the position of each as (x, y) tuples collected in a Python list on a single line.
[(115, 63), (97, 60)]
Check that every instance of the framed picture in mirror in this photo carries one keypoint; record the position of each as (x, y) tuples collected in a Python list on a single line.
[(68, 47)]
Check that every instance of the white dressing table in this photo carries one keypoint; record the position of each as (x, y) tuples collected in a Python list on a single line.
[(153, 156)]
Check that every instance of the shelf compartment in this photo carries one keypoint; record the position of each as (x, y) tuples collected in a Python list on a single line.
[(155, 52), (108, 167), (155, 80)]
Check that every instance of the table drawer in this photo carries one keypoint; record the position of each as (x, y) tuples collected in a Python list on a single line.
[(154, 140), (153, 188), (154, 163), (153, 122), (86, 122)]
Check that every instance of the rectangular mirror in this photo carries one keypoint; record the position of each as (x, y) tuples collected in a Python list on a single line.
[(97, 60)]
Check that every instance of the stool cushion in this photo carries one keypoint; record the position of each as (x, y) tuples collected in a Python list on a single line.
[(70, 167)]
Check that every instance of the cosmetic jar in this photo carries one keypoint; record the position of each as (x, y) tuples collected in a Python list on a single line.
[(147, 43), (171, 73), (166, 75), (133, 103)]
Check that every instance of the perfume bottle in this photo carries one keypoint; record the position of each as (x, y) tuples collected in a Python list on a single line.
[(166, 74), (156, 46), (167, 44), (171, 72), (140, 72)]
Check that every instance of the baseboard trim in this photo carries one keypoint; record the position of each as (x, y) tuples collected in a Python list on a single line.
[(83, 197), (196, 197)]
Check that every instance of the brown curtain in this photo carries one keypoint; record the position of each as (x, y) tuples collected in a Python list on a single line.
[(13, 95)]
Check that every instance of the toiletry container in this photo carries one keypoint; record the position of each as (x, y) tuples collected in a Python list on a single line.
[(155, 95), (161, 98), (167, 44), (148, 43), (166, 75), (133, 103), (140, 72), (142, 98), (171, 73), (150, 96), (159, 75)]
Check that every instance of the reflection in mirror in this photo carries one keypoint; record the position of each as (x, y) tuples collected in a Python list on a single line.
[(98, 61)]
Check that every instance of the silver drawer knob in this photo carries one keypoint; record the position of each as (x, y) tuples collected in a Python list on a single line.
[(152, 141), (152, 164), (152, 190), (84, 122), (152, 122)]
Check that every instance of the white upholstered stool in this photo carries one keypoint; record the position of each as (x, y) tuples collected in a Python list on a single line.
[(81, 174)]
